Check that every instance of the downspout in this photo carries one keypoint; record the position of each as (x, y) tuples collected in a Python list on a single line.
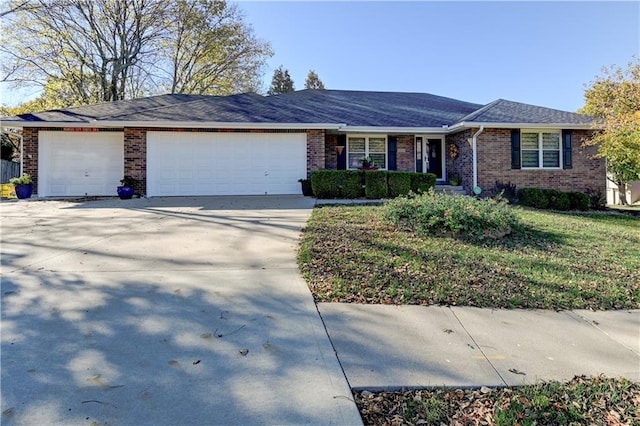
[(21, 155), (474, 149)]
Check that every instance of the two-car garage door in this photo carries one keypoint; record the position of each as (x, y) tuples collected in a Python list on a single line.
[(225, 163)]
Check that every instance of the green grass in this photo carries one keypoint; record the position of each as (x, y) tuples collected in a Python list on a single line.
[(554, 261), (583, 400)]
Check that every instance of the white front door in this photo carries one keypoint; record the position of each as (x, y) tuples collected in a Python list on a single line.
[(225, 163), (79, 163)]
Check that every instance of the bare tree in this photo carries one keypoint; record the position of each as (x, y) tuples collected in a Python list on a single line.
[(14, 6), (212, 50), (106, 50)]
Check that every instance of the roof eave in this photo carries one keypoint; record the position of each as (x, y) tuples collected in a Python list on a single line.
[(395, 130), (475, 124), (106, 124)]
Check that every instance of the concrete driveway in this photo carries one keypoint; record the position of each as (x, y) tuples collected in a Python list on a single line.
[(163, 311)]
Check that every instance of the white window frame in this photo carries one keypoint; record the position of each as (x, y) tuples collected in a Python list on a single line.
[(366, 149), (540, 150)]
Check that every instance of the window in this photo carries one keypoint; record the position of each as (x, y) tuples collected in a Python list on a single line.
[(374, 147), (540, 150)]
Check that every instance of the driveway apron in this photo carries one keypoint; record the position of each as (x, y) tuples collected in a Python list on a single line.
[(163, 311)]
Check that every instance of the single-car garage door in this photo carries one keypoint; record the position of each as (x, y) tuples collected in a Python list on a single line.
[(79, 163), (210, 163)]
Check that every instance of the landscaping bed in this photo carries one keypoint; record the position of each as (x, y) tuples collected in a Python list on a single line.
[(581, 401), (552, 260)]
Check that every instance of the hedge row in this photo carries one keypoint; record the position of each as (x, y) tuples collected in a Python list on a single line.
[(554, 199), (372, 184)]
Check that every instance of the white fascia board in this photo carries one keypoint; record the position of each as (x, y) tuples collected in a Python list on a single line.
[(395, 130), (472, 124)]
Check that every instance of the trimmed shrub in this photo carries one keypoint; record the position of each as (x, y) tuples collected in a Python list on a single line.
[(578, 200), (507, 191), (399, 183), (533, 197), (422, 182), (375, 183), (455, 215), (558, 200), (326, 183), (351, 184), (597, 200)]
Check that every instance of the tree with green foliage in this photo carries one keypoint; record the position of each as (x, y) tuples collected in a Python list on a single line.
[(614, 97), (87, 51), (281, 82), (212, 50), (313, 81)]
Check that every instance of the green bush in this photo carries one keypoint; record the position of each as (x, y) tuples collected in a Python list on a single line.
[(399, 183), (558, 200), (25, 179), (351, 184), (533, 197), (326, 183), (579, 200), (422, 182), (375, 184), (456, 215), (597, 200), (554, 199)]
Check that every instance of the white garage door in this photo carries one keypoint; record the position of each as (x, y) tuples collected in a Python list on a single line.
[(200, 163), (79, 163)]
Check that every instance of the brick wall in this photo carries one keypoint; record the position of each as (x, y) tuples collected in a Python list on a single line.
[(135, 156), (405, 159), (462, 165), (494, 164), (330, 154), (30, 154), (315, 150)]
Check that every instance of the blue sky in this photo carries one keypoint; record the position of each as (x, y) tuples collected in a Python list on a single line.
[(541, 53)]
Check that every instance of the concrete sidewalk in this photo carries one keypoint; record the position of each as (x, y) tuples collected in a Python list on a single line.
[(390, 347)]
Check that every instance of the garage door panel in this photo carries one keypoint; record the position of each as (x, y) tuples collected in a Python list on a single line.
[(225, 163), (79, 163)]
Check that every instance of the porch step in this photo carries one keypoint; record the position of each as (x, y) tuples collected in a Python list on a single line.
[(450, 189)]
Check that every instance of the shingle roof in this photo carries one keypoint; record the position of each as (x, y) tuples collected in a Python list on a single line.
[(503, 111), (375, 109), (340, 107)]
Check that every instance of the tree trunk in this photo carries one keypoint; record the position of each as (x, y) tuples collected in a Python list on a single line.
[(622, 192)]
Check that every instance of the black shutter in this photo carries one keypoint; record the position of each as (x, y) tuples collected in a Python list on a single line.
[(392, 151), (515, 148), (342, 158), (567, 160)]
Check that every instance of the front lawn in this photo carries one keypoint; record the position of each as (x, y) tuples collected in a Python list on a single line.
[(588, 401), (554, 261)]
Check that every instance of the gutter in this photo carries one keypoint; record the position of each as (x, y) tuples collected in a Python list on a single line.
[(474, 149), (175, 124), (471, 124)]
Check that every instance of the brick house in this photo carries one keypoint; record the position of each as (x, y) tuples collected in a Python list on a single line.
[(249, 144)]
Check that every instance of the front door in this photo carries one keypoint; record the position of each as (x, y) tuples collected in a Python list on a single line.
[(434, 157), (429, 158)]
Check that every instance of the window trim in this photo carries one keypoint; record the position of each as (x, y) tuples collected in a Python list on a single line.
[(366, 148), (540, 149)]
